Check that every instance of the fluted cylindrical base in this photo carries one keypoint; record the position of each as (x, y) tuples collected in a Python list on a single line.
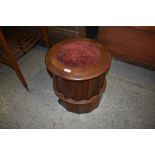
[(79, 96)]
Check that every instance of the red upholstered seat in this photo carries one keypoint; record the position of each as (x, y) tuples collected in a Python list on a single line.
[(78, 54)]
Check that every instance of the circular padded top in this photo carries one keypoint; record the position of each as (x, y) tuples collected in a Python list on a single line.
[(78, 59), (78, 54)]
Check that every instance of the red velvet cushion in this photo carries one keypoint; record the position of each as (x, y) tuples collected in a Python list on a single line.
[(78, 54)]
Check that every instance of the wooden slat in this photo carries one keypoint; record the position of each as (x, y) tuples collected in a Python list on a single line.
[(14, 37), (32, 42), (20, 43)]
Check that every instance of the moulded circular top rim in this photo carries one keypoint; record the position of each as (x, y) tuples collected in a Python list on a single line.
[(71, 73)]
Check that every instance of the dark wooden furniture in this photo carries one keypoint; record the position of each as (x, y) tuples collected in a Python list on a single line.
[(56, 33), (78, 68), (134, 44), (8, 58), (16, 45)]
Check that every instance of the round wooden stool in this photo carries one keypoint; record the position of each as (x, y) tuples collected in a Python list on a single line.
[(78, 68)]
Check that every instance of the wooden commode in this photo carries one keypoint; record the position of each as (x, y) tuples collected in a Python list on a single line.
[(78, 68)]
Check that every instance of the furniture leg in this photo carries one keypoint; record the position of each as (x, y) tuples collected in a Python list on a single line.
[(46, 37), (12, 60)]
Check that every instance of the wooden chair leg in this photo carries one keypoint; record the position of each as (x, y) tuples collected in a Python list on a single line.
[(20, 75), (12, 60), (46, 37)]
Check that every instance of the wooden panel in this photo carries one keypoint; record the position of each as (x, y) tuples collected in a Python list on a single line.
[(74, 28), (145, 28), (66, 32), (134, 45), (58, 32)]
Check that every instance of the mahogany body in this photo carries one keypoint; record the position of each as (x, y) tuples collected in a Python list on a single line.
[(79, 96), (79, 91)]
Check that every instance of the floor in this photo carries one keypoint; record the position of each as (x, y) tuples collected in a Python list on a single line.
[(129, 100)]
